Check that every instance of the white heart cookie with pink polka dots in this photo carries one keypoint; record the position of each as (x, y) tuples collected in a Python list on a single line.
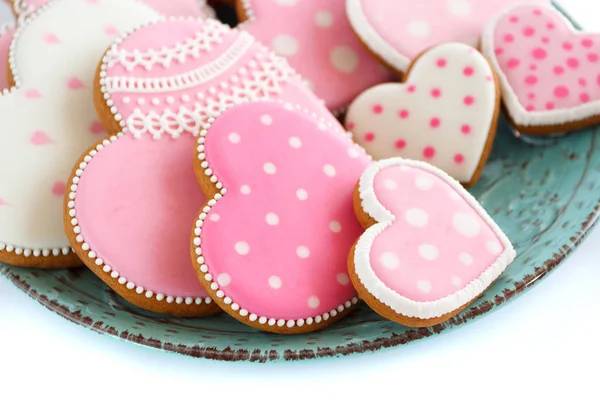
[(550, 72), (317, 40), (399, 30), (445, 113), (271, 245), (432, 249)]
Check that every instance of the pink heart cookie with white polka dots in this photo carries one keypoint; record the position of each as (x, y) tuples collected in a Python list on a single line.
[(271, 245), (397, 31), (550, 72), (317, 40), (420, 263), (445, 113)]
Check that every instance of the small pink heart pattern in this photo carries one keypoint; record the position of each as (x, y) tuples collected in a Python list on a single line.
[(445, 113), (550, 72), (422, 260), (272, 245)]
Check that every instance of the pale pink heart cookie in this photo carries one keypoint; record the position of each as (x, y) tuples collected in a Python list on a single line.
[(430, 248), (45, 124), (550, 72), (398, 30), (318, 42), (271, 244), (135, 196), (445, 113)]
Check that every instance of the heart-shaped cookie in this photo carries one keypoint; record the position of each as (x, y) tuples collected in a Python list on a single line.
[(445, 113), (317, 40), (399, 30), (550, 72), (430, 248), (270, 247), (135, 196)]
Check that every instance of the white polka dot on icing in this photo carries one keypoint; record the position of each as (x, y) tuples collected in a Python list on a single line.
[(343, 279), (234, 137), (272, 219), (302, 194), (416, 217), (313, 302), (344, 59), (295, 142), (466, 258), (303, 252), (428, 252), (224, 279), (454, 196), (286, 45), (242, 248), (275, 282), (329, 170), (389, 260), (424, 286), (493, 247), (214, 217), (335, 226), (418, 29), (245, 189), (456, 281), (266, 120), (323, 18), (466, 224), (270, 168), (390, 184), (353, 153), (459, 8), (424, 183), (286, 2)]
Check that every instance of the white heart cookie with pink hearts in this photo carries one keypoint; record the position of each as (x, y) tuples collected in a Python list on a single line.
[(445, 113), (420, 263), (550, 72), (399, 30)]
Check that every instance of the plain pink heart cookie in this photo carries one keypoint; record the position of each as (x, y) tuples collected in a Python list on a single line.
[(397, 31), (270, 246), (318, 42), (419, 263), (135, 196), (445, 113), (550, 72)]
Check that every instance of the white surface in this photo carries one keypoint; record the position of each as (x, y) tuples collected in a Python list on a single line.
[(543, 345)]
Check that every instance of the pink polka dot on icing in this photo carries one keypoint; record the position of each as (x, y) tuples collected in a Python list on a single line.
[(351, 125), (369, 136), (530, 107), (429, 152), (513, 63), (558, 70), (509, 38), (561, 91), (436, 93), (537, 12), (528, 31), (573, 62), (587, 43), (377, 109), (567, 46), (58, 188), (400, 144), (459, 158), (468, 71), (499, 51), (584, 97), (441, 62), (531, 80), (550, 26), (550, 106), (545, 40), (531, 96), (598, 79), (403, 114), (582, 82), (539, 53), (435, 122), (592, 57), (411, 88), (465, 129), (513, 19), (469, 100)]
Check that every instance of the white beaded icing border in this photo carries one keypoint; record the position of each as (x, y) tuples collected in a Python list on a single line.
[(197, 240)]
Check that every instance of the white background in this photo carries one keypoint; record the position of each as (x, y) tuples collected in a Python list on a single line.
[(543, 345)]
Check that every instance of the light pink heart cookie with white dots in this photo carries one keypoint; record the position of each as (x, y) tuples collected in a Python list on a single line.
[(397, 31), (550, 72), (445, 113), (317, 40), (271, 245), (420, 263)]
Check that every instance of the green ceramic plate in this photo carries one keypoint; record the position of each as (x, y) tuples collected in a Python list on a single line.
[(544, 193)]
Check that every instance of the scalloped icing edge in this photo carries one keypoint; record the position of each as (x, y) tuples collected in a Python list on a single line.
[(243, 314), (518, 113), (400, 304)]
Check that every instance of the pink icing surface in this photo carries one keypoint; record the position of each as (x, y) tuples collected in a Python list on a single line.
[(547, 65), (430, 251), (278, 241), (136, 204), (411, 27), (317, 40)]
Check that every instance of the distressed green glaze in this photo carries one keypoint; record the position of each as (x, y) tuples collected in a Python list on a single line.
[(545, 197)]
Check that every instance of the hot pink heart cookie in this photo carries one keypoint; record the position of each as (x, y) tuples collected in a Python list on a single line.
[(318, 42), (135, 196), (430, 250), (397, 31), (550, 72), (445, 113), (270, 247)]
